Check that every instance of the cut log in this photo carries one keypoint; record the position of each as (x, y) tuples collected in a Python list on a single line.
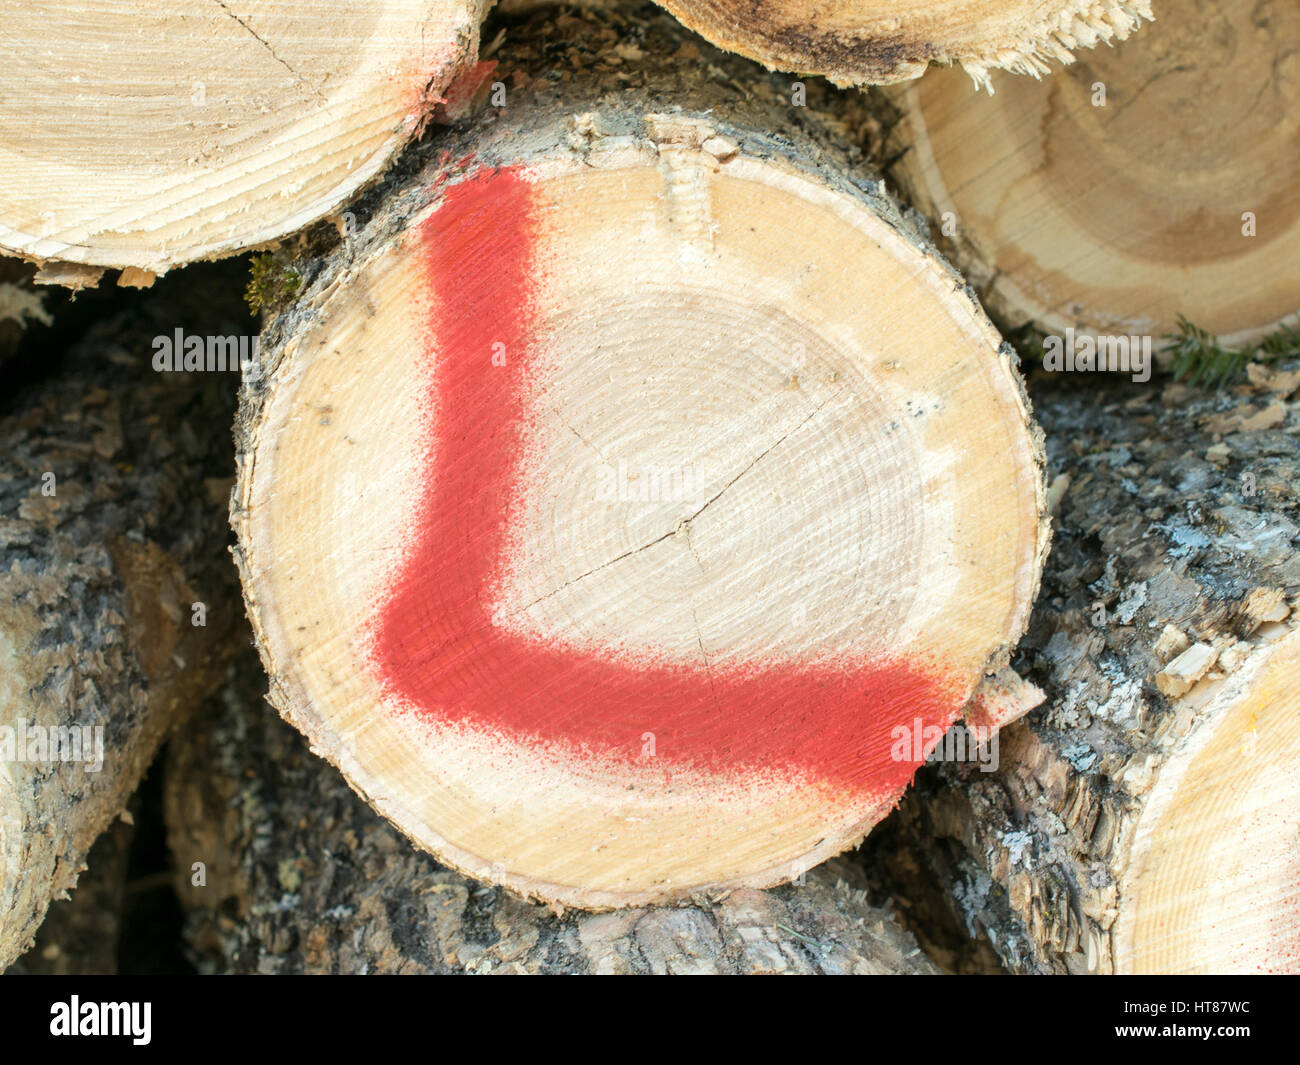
[(107, 485), (857, 42), (1144, 820), (1124, 191), (625, 483), (300, 876), (139, 136), (80, 934)]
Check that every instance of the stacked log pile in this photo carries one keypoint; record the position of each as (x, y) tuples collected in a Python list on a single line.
[(631, 489)]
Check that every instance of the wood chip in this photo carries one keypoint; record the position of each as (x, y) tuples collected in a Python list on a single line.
[(1177, 678)]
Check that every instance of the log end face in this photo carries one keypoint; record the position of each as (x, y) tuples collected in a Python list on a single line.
[(256, 123), (1215, 871), (619, 586), (1111, 256)]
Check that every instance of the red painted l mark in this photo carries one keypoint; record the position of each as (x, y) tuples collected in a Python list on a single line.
[(435, 647)]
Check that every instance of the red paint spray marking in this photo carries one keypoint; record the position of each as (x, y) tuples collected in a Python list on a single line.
[(434, 645)]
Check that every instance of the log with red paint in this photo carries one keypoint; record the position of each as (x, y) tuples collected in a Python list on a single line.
[(631, 481)]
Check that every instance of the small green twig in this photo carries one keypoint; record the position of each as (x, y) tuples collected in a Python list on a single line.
[(798, 935), (1201, 361)]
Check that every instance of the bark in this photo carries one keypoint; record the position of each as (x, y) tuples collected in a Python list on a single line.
[(303, 877), (80, 934), (856, 42), (1177, 525), (110, 476)]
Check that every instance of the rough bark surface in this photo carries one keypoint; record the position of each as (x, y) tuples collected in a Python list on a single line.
[(303, 877), (1180, 510), (109, 481), (80, 934)]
